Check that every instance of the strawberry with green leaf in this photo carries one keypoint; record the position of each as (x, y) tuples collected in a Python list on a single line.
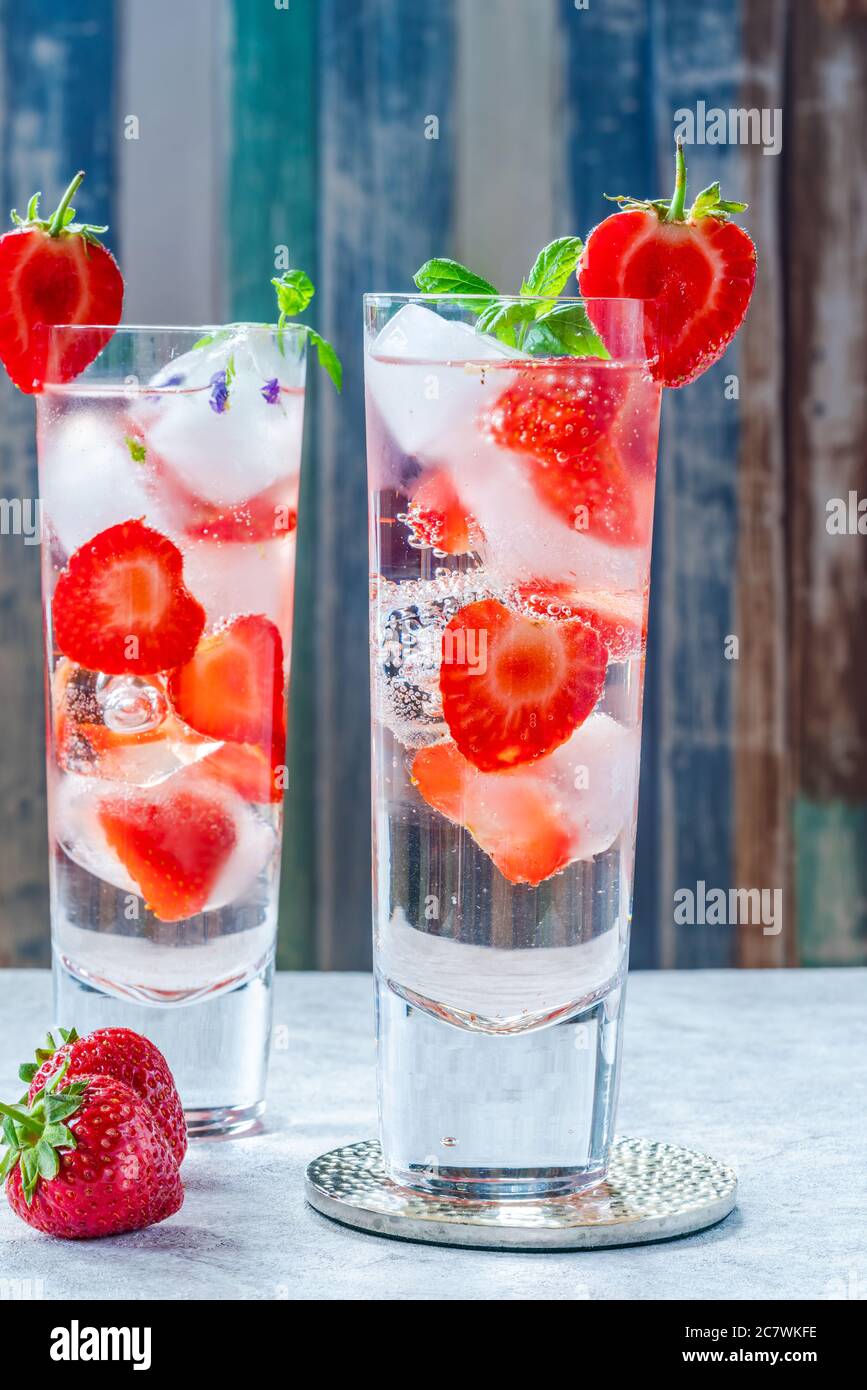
[(54, 270), (697, 265)]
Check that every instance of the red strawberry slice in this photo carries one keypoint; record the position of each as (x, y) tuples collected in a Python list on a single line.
[(514, 687), (121, 606), (564, 421), (619, 618), (247, 769), (437, 519), (54, 270), (233, 688), (697, 265), (173, 844), (508, 817)]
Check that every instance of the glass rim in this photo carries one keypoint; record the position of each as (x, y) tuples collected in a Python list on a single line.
[(199, 328), (456, 297)]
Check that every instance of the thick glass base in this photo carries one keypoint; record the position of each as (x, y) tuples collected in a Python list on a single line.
[(504, 1117), (217, 1046)]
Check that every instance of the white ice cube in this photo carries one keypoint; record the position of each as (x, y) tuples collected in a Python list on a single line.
[(229, 455), (88, 478), (594, 777), (233, 577), (422, 397), (524, 539)]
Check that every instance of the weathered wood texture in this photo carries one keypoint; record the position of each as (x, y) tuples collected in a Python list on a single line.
[(271, 206), (826, 252), (56, 115)]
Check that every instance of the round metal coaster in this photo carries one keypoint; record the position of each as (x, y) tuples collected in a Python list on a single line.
[(653, 1192)]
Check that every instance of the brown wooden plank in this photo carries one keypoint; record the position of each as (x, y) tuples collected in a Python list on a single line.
[(762, 857), (827, 431)]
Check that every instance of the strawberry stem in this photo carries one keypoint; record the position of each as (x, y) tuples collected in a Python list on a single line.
[(56, 225), (678, 203), (22, 1119)]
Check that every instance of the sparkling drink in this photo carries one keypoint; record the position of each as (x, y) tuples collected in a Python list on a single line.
[(511, 509), (169, 478)]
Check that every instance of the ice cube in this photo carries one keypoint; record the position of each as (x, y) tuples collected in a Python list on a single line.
[(422, 397), (219, 425), (595, 776), (89, 480), (524, 540), (235, 577)]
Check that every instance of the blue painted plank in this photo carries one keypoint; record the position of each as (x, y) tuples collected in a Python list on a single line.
[(56, 115), (386, 206), (696, 56), (612, 149)]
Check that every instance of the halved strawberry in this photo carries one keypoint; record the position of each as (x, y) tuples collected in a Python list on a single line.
[(619, 618), (54, 270), (120, 605), (247, 769), (233, 688), (563, 420), (514, 687), (697, 265), (508, 817), (173, 843), (437, 519)]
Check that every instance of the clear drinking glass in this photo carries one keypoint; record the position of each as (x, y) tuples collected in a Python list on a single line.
[(511, 509), (169, 478)]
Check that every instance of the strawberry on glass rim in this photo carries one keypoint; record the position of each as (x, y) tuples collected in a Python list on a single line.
[(695, 263), (54, 270)]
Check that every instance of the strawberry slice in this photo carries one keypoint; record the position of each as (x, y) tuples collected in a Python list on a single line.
[(121, 606), (697, 265), (173, 844), (564, 421), (514, 687), (620, 618), (437, 519), (508, 817), (54, 270), (247, 769), (233, 688)]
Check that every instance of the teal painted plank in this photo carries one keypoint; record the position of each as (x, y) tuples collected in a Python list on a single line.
[(57, 67), (831, 882), (386, 205), (271, 192)]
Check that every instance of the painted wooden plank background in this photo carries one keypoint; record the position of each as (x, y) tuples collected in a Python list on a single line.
[(56, 115), (303, 125)]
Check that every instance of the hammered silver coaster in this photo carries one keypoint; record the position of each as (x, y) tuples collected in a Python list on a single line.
[(653, 1192)]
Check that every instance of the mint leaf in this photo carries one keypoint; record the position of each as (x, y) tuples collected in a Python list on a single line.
[(138, 454), (444, 276), (565, 329), (294, 292), (503, 319), (327, 357), (554, 266)]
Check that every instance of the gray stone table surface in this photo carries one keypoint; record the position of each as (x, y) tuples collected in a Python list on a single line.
[(766, 1070)]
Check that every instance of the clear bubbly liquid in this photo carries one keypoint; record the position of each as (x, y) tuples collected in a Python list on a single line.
[(110, 454), (499, 996)]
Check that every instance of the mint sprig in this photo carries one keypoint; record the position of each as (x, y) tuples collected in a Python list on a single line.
[(534, 321), (294, 292)]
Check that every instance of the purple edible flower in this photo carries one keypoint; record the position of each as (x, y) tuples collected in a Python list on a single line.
[(271, 391), (219, 398)]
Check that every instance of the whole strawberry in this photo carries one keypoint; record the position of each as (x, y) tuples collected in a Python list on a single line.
[(125, 1056), (695, 263), (54, 270), (87, 1158)]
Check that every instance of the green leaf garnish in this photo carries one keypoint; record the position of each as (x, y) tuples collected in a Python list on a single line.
[(138, 453), (444, 276), (534, 321), (294, 292)]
